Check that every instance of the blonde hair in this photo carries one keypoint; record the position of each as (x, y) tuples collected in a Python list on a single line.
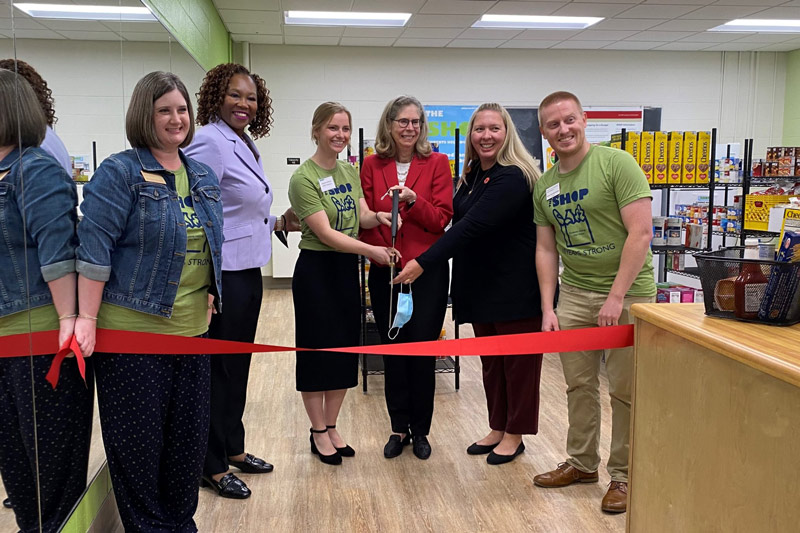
[(511, 153), (323, 114), (384, 142)]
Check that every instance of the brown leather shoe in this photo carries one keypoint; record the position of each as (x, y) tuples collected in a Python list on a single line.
[(564, 475), (616, 499)]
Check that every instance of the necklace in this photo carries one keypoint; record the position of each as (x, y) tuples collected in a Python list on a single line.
[(478, 177)]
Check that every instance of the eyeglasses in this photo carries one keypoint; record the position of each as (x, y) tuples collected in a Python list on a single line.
[(404, 122)]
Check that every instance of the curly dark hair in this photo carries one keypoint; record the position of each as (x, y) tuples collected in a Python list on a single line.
[(212, 94), (43, 93)]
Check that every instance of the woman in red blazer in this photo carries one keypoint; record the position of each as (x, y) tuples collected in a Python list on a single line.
[(406, 162)]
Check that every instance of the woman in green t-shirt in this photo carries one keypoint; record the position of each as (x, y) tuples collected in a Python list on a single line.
[(326, 195)]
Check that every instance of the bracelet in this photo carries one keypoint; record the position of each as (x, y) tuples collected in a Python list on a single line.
[(64, 317), (87, 317)]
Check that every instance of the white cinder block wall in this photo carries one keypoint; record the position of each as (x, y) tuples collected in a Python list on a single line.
[(740, 93)]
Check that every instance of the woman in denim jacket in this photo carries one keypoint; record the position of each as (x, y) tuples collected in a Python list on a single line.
[(39, 234), (149, 260)]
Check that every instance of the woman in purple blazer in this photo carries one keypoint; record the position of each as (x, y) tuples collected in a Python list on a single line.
[(230, 100)]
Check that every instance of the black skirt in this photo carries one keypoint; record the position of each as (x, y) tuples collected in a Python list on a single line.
[(327, 314)]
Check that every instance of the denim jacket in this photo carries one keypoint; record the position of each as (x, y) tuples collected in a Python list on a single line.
[(45, 238), (133, 236)]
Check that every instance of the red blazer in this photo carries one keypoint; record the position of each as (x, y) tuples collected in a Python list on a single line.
[(425, 221)]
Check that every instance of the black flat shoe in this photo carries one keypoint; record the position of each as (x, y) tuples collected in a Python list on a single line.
[(332, 459), (395, 445), (229, 486), (497, 459), (347, 451), (422, 448), (481, 449), (7, 503), (252, 465)]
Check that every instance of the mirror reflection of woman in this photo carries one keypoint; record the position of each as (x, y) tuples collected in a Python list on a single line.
[(38, 216), (493, 244), (231, 99), (149, 260), (422, 178), (326, 194)]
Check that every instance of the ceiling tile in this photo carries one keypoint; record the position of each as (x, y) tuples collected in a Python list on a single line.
[(727, 12), (768, 38), (585, 9), (442, 21), (255, 29), (526, 8), (431, 33), (390, 6), (605, 35), (655, 11), (423, 43), (447, 7), (319, 31), (663, 36), (75, 25), (143, 36), (475, 43), (36, 34), (311, 39), (528, 43), (766, 3), (257, 39), (96, 35), (682, 46), (548, 35), (382, 33), (734, 47), (487, 33), (273, 5), (689, 25), (683, 2), (715, 37), (367, 41), (316, 5), (582, 45), (781, 12), (135, 27), (780, 47), (250, 16), (632, 45), (23, 24), (627, 24)]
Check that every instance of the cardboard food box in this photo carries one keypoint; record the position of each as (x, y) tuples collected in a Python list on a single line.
[(646, 153), (660, 159), (675, 157), (689, 173), (703, 157)]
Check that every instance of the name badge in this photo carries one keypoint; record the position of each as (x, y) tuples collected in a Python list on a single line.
[(327, 184), (4, 174), (552, 191), (153, 178)]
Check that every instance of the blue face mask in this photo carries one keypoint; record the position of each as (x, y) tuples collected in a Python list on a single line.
[(405, 306)]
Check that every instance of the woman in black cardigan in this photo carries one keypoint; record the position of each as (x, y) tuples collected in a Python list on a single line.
[(492, 243)]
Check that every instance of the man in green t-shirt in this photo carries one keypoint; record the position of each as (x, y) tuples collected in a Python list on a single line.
[(592, 209)]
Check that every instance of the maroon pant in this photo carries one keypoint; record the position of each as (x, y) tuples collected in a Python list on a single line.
[(511, 382)]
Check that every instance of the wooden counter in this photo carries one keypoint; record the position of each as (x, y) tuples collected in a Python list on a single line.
[(715, 426)]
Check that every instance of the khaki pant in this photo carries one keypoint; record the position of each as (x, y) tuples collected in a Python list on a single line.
[(578, 308)]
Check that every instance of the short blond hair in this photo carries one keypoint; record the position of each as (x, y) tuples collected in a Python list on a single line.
[(556, 97), (139, 126), (323, 114)]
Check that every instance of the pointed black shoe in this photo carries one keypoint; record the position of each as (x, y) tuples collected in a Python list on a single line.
[(497, 459), (481, 449), (229, 486), (252, 465), (422, 448), (332, 459), (347, 451), (395, 446)]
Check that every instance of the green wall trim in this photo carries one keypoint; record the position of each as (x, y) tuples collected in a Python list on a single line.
[(791, 105), (85, 512), (196, 25)]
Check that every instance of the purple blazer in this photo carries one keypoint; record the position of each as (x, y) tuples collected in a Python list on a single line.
[(246, 194)]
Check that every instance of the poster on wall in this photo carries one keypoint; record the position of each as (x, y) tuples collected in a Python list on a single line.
[(442, 123), (601, 123)]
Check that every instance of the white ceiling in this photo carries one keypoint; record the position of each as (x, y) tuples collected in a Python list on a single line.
[(26, 27), (627, 25)]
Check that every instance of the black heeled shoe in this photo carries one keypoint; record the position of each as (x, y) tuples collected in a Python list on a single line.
[(347, 451), (229, 486), (332, 459), (252, 465)]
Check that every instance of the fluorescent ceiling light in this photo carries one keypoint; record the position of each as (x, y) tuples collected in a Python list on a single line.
[(537, 23), (345, 18), (75, 12), (765, 25)]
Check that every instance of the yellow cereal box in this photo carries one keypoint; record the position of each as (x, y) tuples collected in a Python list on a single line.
[(689, 174), (675, 157), (646, 153), (616, 141), (633, 145), (703, 158), (660, 159)]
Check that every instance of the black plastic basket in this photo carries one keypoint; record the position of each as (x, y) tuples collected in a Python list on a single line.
[(779, 298)]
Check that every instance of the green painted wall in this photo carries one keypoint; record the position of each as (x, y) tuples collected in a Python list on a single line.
[(791, 105), (197, 26)]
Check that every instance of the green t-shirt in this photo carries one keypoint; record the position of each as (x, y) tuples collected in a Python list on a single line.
[(42, 318), (337, 192), (583, 208), (190, 310)]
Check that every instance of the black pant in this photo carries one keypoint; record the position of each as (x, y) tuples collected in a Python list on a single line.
[(242, 291), (410, 380)]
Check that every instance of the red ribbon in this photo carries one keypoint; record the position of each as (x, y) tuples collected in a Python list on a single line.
[(131, 342)]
